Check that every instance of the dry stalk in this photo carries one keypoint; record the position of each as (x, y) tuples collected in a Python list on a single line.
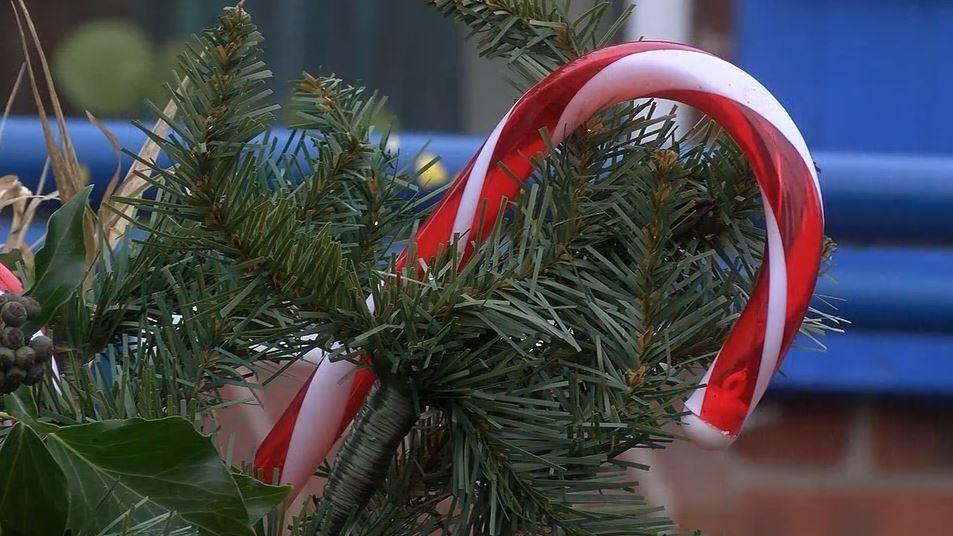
[(67, 173), (115, 218)]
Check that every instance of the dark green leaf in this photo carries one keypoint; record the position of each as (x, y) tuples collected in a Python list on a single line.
[(260, 498), (114, 465), (61, 262), (24, 410), (33, 496)]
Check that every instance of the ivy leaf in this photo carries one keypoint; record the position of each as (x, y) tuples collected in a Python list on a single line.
[(60, 265), (33, 497), (26, 412), (144, 469), (260, 498)]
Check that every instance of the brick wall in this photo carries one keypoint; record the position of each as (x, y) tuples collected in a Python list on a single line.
[(54, 20), (818, 466)]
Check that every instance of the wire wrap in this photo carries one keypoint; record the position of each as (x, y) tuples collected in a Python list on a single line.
[(386, 417)]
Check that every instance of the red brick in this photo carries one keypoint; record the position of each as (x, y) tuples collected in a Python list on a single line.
[(698, 479), (913, 437), (807, 432), (827, 512), (765, 486)]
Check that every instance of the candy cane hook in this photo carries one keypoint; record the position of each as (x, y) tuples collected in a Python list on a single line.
[(775, 149)]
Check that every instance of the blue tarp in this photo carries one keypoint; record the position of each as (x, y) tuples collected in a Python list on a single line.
[(892, 275)]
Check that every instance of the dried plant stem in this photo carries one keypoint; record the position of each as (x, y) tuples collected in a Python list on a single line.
[(67, 173), (10, 99), (115, 219)]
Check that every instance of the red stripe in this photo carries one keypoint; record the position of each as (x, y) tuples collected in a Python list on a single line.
[(435, 231), (273, 451), (9, 282)]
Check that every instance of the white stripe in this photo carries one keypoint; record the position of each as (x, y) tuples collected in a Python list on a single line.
[(315, 429), (777, 305), (644, 74), (472, 191)]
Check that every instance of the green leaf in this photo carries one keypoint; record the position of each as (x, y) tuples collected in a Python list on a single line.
[(26, 412), (60, 265), (260, 498), (145, 468), (33, 496)]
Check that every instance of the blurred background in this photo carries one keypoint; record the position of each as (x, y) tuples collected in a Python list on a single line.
[(857, 440)]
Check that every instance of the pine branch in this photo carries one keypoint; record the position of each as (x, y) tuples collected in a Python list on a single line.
[(354, 184), (224, 278), (218, 197), (534, 37)]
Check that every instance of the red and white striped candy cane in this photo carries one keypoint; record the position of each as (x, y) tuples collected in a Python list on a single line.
[(782, 166)]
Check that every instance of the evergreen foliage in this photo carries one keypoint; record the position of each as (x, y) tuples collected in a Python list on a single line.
[(569, 337)]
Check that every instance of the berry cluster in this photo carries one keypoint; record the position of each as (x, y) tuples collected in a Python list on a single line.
[(20, 361)]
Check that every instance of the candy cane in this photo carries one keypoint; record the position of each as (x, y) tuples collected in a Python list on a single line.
[(782, 165)]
